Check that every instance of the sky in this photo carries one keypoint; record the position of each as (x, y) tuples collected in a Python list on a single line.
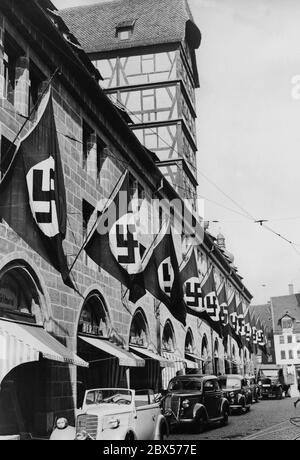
[(248, 134)]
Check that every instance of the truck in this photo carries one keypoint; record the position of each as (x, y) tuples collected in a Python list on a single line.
[(274, 381)]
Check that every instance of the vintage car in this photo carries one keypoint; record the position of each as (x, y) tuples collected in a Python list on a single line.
[(254, 388), (270, 387), (194, 400), (274, 382), (237, 392), (118, 414)]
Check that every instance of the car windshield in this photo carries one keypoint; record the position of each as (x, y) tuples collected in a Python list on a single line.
[(108, 396), (230, 382), (270, 373), (182, 384)]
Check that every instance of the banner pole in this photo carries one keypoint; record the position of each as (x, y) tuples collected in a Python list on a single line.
[(25, 123), (97, 222)]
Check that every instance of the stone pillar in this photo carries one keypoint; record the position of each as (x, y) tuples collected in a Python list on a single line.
[(2, 70), (22, 85)]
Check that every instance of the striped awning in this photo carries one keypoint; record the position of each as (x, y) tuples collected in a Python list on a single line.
[(22, 343), (180, 364), (193, 357), (125, 358), (163, 362)]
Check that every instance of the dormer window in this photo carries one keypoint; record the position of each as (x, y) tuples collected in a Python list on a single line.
[(124, 29), (287, 323)]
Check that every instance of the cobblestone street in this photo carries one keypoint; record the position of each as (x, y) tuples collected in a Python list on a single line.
[(267, 420)]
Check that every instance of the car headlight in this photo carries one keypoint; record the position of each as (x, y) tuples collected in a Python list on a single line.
[(62, 423), (185, 403), (82, 435), (110, 423)]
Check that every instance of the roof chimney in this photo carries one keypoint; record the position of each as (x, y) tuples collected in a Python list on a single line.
[(291, 289), (221, 241)]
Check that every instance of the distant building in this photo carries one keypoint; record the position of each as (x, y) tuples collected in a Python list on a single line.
[(264, 313), (286, 326)]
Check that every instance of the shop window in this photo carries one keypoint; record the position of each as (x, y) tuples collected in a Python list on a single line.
[(189, 342), (282, 354), (36, 81), (139, 330), (93, 318), (19, 298), (11, 54), (168, 340)]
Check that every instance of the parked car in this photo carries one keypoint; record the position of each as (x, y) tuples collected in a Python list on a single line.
[(237, 392), (275, 381), (195, 400), (119, 414), (254, 388)]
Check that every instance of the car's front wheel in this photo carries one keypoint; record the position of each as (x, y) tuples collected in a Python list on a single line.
[(200, 422), (162, 432), (225, 417), (242, 408)]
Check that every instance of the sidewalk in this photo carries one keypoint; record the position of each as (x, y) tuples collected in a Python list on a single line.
[(284, 431)]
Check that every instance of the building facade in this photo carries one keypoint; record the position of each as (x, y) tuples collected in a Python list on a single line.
[(57, 342), (286, 325)]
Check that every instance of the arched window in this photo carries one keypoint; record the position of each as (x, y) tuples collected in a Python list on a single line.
[(20, 293), (189, 342), (168, 337), (204, 354), (94, 319), (139, 334), (216, 357)]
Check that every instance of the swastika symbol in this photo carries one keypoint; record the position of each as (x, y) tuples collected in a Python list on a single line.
[(241, 323), (166, 278), (211, 304), (40, 195), (234, 323), (127, 240), (193, 294)]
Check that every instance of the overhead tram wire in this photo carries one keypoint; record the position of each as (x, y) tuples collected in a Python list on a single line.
[(246, 213), (225, 194), (192, 195)]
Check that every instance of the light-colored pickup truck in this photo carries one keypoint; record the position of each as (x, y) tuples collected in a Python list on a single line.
[(117, 414)]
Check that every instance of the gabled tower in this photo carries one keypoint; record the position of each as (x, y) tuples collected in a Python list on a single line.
[(145, 51)]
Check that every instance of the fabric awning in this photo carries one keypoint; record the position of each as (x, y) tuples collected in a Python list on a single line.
[(193, 357), (125, 357), (179, 361), (180, 364), (163, 362), (22, 343)]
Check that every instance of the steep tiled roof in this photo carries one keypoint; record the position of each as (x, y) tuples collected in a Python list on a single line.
[(156, 22), (263, 312), (286, 304)]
